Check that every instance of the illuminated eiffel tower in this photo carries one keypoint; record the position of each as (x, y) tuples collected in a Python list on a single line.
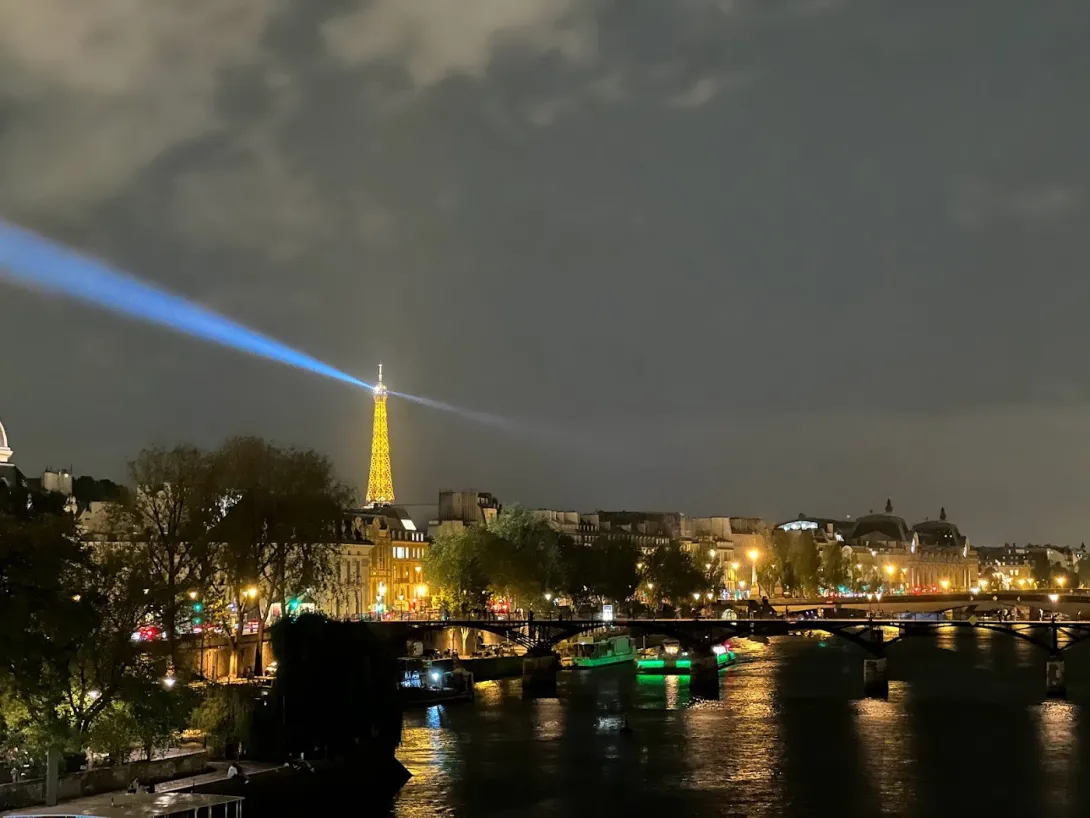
[(380, 483)]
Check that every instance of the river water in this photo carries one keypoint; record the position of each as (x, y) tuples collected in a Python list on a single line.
[(965, 731)]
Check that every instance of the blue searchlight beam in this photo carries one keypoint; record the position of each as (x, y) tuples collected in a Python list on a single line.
[(32, 261)]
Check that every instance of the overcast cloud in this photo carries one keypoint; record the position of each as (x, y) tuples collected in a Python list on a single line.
[(741, 257)]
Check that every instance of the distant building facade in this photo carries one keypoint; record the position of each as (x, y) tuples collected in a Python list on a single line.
[(463, 509)]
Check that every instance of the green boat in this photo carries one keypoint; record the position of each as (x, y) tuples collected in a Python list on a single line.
[(591, 653), (670, 660)]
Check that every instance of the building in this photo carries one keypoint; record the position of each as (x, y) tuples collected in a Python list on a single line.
[(396, 584), (396, 549), (10, 476), (932, 556), (351, 595), (649, 529), (463, 509)]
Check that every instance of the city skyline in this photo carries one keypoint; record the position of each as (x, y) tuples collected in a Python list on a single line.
[(730, 256)]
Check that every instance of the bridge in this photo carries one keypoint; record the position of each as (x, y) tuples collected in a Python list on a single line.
[(1072, 604), (539, 638)]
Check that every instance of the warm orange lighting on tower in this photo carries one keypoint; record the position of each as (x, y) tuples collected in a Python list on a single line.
[(380, 482)]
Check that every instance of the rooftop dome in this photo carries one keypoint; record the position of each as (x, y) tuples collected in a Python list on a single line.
[(5, 450), (939, 532), (882, 528)]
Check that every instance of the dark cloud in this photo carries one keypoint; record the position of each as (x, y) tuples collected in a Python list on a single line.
[(752, 257)]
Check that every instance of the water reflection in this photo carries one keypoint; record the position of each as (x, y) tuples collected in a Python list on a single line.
[(965, 731)]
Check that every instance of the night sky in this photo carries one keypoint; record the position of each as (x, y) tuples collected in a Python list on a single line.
[(738, 257)]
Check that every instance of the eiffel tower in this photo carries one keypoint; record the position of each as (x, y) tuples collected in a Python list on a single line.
[(380, 483)]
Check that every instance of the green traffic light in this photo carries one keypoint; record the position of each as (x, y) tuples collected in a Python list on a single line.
[(198, 606)]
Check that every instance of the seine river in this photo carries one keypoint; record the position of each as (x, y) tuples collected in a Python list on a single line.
[(965, 731)]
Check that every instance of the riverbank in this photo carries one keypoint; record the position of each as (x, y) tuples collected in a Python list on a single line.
[(216, 773)]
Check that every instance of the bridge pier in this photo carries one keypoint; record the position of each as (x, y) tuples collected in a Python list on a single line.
[(1055, 677), (539, 674), (703, 675), (875, 678)]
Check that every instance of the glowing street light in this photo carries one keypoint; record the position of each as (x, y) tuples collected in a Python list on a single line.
[(548, 596), (890, 569), (753, 555), (168, 681), (1053, 598), (250, 592), (1060, 580), (192, 594), (945, 584), (696, 596)]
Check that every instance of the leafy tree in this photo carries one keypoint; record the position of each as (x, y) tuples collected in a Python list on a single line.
[(603, 571), (225, 716), (46, 615), (674, 574), (114, 733), (835, 572), (169, 515), (455, 568), (523, 558), (616, 577), (67, 614), (805, 562), (279, 531)]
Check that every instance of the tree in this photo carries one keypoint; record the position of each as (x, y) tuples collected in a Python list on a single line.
[(169, 514), (225, 716), (616, 576), (67, 615), (805, 561), (835, 571), (523, 558), (603, 571), (674, 574), (278, 537), (456, 571)]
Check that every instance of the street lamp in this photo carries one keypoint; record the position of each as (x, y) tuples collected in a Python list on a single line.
[(1053, 598), (1060, 580), (753, 555), (945, 584), (548, 596)]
